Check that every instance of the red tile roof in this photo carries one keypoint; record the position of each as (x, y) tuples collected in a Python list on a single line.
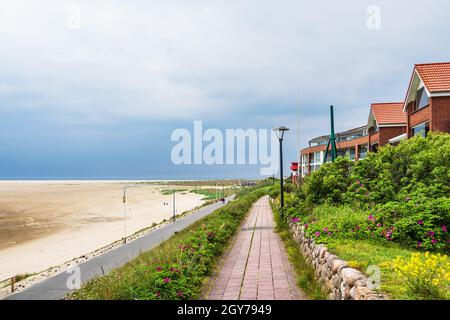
[(435, 76), (389, 113)]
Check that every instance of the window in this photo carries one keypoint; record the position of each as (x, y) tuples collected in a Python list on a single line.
[(341, 152), (421, 99), (316, 157), (421, 129), (352, 154), (373, 128), (362, 151), (375, 148)]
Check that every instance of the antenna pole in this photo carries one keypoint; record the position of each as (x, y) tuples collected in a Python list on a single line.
[(332, 140)]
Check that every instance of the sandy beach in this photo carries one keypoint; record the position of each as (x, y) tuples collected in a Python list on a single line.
[(46, 223)]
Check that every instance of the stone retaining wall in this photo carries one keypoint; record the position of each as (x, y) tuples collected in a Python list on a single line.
[(334, 275)]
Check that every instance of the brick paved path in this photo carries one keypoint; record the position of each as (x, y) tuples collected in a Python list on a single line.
[(256, 266)]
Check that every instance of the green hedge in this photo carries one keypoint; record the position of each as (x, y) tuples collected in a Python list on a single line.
[(177, 268)]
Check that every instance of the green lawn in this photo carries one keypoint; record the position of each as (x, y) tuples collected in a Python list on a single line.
[(208, 194)]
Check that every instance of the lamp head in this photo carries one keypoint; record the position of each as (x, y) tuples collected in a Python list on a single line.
[(280, 132)]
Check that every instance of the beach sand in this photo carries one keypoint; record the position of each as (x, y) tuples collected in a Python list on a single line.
[(44, 223)]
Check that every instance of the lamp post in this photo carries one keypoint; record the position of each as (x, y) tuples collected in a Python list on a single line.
[(124, 201), (280, 134)]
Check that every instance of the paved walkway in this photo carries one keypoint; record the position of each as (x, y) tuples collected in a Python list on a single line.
[(55, 287), (256, 267)]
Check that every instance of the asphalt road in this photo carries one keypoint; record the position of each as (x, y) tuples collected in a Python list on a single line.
[(56, 287)]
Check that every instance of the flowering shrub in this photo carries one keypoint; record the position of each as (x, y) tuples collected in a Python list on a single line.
[(394, 189), (425, 274), (420, 223)]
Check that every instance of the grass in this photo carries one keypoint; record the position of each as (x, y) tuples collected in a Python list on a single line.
[(167, 192), (208, 194), (361, 254), (23, 276), (177, 268), (306, 279)]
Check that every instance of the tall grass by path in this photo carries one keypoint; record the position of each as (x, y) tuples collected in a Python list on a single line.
[(305, 275)]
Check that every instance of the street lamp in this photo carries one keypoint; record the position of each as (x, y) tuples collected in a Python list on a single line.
[(280, 134)]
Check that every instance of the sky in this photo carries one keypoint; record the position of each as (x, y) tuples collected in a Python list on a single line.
[(94, 89)]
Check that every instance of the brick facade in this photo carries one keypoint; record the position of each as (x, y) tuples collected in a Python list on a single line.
[(440, 114), (417, 117), (387, 133)]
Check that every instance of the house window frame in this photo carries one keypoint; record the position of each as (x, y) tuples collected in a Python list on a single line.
[(425, 124), (419, 94)]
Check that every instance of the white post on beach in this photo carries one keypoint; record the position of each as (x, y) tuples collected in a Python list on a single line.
[(124, 215), (174, 211)]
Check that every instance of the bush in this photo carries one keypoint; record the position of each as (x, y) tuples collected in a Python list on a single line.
[(398, 187), (329, 183)]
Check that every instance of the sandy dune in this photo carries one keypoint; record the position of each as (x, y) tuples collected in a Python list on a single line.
[(43, 224)]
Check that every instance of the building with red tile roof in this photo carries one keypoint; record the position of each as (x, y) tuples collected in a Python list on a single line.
[(427, 102), (386, 121), (425, 108)]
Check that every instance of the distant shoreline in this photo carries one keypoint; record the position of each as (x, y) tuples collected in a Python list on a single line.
[(117, 180)]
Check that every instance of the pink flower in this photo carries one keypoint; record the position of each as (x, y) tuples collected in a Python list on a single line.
[(444, 228), (431, 233), (180, 293), (420, 222), (295, 219), (325, 229), (330, 233), (306, 226), (317, 234), (419, 244), (159, 269), (157, 293), (433, 241), (379, 225), (166, 280)]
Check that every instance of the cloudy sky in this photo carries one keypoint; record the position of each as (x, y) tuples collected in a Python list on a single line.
[(93, 89)]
